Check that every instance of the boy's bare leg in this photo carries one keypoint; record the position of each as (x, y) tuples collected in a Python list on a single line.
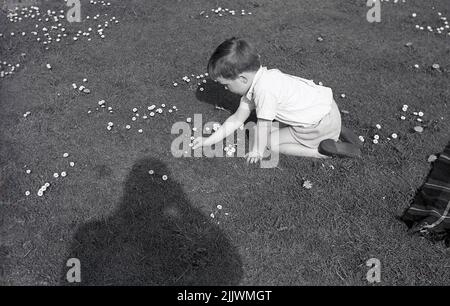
[(297, 149), (288, 145)]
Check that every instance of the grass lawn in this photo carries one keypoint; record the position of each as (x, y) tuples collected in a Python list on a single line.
[(129, 227)]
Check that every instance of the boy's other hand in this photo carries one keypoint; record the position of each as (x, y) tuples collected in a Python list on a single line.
[(198, 142), (253, 157)]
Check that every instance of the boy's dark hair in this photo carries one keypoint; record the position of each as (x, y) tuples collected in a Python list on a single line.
[(233, 57)]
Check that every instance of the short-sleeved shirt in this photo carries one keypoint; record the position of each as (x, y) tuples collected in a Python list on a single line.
[(288, 99)]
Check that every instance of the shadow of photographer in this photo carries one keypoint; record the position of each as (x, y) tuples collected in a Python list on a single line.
[(155, 237)]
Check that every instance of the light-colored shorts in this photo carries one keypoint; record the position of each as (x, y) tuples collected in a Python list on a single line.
[(327, 128)]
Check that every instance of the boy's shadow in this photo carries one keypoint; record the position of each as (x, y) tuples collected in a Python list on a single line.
[(154, 238), (215, 94)]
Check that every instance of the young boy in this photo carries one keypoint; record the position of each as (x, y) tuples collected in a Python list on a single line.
[(308, 112)]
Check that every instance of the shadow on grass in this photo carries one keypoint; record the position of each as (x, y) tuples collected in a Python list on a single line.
[(155, 237), (215, 94)]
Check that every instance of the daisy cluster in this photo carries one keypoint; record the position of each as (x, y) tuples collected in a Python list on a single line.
[(8, 68), (442, 28), (221, 12), (136, 116), (230, 149), (56, 176), (190, 81), (52, 27), (416, 116)]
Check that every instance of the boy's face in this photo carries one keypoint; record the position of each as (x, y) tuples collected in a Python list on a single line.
[(239, 86)]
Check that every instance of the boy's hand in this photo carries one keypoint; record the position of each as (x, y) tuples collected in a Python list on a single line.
[(253, 157), (199, 142)]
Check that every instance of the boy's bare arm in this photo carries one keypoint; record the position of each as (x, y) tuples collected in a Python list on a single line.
[(229, 126), (263, 129)]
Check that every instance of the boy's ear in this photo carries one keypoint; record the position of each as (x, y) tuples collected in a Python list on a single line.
[(243, 78)]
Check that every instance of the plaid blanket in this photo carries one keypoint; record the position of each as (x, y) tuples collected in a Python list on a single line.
[(429, 212)]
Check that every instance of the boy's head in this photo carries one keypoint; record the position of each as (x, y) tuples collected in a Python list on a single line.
[(233, 64)]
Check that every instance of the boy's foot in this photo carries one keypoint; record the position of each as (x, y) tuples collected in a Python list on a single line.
[(342, 149), (347, 135)]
